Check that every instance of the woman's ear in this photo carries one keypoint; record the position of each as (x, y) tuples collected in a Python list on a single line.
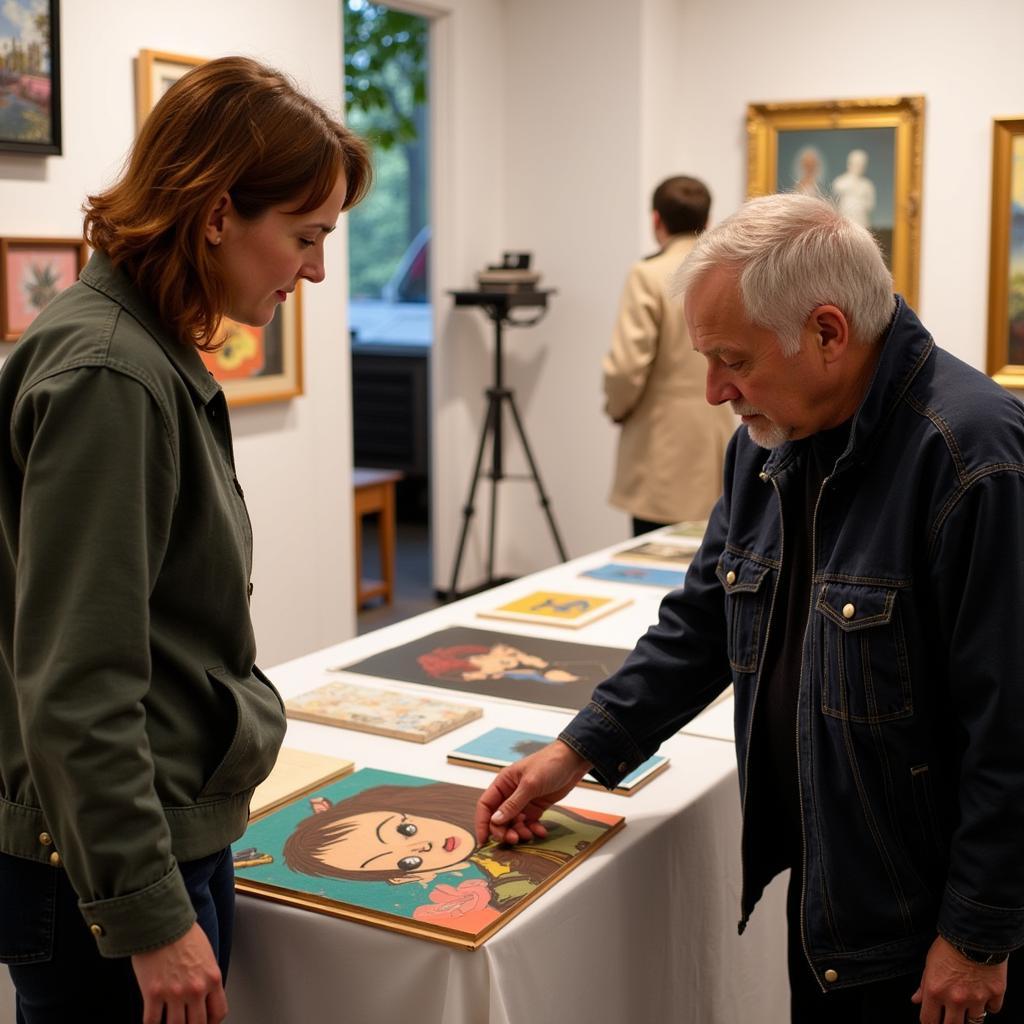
[(214, 229)]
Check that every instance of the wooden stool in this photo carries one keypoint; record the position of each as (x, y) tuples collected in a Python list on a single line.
[(374, 491)]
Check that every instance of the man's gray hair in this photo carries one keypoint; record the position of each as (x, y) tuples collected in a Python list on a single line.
[(796, 252)]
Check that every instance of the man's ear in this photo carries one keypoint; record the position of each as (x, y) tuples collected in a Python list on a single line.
[(214, 229), (831, 332)]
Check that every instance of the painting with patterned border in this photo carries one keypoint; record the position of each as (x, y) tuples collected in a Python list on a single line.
[(535, 670), (548, 608), (402, 716), (644, 575), (398, 852), (678, 555), (499, 747)]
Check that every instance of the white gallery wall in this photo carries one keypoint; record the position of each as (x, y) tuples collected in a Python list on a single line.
[(603, 98)]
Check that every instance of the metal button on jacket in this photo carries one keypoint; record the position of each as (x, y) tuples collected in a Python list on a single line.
[(55, 859), (730, 577), (45, 838), (831, 975), (96, 929), (849, 611)]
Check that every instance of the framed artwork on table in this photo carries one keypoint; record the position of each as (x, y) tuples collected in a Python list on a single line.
[(547, 608), (261, 364), (32, 272), (30, 77), (1006, 264), (155, 73), (398, 852), (866, 155), (528, 669)]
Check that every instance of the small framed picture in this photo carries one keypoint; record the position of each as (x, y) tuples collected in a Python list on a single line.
[(1006, 264), (261, 364), (30, 77), (32, 272), (865, 155), (155, 73)]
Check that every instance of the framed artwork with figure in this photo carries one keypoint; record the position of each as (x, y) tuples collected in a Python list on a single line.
[(1006, 264), (866, 155)]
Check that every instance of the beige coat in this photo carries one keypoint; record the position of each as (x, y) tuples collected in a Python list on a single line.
[(673, 443)]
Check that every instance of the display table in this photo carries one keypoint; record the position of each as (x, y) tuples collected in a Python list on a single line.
[(643, 930)]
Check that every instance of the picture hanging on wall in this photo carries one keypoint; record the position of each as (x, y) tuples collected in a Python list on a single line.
[(30, 77), (398, 852), (1006, 263), (866, 155), (155, 72), (534, 670), (32, 272)]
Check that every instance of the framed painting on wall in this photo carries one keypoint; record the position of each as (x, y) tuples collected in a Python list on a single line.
[(155, 73), (398, 852), (32, 272), (30, 77), (866, 155), (1006, 264), (261, 364)]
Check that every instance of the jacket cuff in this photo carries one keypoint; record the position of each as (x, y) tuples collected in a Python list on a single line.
[(142, 921), (598, 738), (965, 922)]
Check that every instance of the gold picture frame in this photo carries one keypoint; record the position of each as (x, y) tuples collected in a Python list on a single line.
[(1006, 263), (155, 72), (255, 364), (811, 147)]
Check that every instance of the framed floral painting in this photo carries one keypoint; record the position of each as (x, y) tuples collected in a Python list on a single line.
[(32, 272)]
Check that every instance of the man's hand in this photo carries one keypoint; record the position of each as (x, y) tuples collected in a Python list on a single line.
[(511, 806), (183, 980), (958, 986)]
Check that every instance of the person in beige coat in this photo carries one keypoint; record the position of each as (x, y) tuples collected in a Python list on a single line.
[(672, 444)]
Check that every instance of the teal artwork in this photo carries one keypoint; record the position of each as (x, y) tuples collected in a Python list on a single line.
[(499, 747), (399, 851)]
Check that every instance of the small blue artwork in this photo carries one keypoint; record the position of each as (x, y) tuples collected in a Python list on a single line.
[(668, 579)]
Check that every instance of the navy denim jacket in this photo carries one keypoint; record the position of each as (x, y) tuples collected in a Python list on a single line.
[(910, 731)]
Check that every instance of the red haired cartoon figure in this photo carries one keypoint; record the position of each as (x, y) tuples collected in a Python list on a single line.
[(404, 834), (469, 662)]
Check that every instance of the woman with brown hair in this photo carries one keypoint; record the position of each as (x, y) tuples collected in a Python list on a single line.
[(134, 722)]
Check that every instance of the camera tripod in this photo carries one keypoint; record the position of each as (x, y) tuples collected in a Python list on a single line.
[(498, 305)]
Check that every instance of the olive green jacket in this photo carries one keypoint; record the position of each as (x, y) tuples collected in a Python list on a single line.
[(133, 721)]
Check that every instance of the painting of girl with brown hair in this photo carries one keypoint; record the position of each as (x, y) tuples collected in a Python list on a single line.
[(406, 834)]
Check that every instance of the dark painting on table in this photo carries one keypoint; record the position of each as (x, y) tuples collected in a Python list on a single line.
[(552, 673)]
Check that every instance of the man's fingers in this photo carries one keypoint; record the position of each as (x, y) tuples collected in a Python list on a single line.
[(216, 1006), (152, 1010)]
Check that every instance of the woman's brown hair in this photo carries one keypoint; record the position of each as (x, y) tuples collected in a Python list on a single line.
[(230, 125)]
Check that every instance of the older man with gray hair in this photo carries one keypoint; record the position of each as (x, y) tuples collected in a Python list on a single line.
[(859, 586)]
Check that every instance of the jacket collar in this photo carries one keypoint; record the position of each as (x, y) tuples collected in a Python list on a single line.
[(905, 348), (104, 277)]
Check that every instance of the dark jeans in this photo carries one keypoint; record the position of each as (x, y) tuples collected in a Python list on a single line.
[(880, 1002), (58, 974), (645, 526)]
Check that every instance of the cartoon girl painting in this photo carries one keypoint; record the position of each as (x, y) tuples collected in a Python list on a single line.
[(404, 834), (470, 662)]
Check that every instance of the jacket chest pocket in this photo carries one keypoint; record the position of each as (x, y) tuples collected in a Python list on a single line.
[(863, 653), (747, 585)]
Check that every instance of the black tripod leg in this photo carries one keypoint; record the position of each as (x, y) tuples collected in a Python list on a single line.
[(468, 509), (496, 474), (535, 473)]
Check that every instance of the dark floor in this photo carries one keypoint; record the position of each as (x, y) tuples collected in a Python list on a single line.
[(414, 586)]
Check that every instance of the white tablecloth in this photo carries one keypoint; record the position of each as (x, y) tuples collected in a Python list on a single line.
[(643, 930)]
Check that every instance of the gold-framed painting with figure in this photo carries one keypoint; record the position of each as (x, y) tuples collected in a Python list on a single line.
[(864, 154)]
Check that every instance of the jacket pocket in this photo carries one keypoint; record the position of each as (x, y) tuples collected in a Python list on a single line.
[(747, 586), (259, 730), (28, 908), (863, 653)]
